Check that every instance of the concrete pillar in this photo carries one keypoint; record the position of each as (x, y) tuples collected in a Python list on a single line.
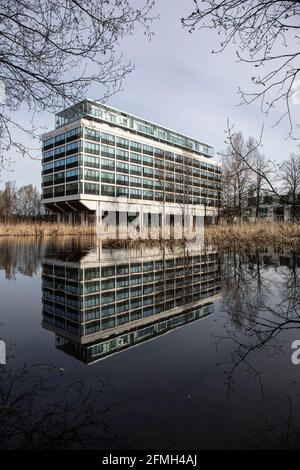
[(82, 218)]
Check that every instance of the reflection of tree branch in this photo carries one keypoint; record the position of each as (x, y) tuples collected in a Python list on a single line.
[(39, 413), (258, 323)]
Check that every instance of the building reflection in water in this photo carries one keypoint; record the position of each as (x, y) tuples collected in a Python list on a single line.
[(102, 301)]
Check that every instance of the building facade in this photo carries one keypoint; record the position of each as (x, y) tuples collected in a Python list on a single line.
[(98, 157), (272, 207), (108, 300)]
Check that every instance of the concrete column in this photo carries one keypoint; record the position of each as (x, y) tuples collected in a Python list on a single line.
[(82, 218)]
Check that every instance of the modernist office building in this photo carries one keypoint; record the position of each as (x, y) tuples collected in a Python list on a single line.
[(98, 156), (104, 302)]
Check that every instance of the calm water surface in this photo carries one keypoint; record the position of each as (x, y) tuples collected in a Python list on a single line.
[(148, 348)]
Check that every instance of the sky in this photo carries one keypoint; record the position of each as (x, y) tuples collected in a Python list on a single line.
[(180, 84)]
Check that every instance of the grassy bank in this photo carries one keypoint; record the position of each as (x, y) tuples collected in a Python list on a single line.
[(245, 234), (43, 229), (254, 234)]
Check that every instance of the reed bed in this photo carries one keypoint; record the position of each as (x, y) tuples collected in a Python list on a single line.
[(44, 229), (244, 234), (258, 234)]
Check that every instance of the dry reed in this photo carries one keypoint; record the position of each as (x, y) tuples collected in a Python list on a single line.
[(244, 234), (256, 234)]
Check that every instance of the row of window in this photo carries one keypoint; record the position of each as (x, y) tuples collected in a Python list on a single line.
[(109, 306), (112, 191), (109, 152), (132, 181), (172, 280), (116, 144), (129, 122), (112, 316), (133, 267), (120, 167)]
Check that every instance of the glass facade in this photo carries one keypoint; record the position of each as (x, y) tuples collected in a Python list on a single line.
[(102, 113), (84, 160)]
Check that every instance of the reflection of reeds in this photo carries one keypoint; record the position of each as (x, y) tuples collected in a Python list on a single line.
[(253, 234)]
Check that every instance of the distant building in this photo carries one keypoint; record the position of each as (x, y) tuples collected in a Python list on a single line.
[(98, 156), (271, 207)]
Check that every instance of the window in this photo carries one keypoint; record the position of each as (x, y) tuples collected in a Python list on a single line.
[(91, 188), (48, 142), (72, 188), (107, 151), (144, 128), (107, 177), (107, 164), (122, 154), (92, 134), (48, 155), (135, 146), (47, 180), (147, 160), (91, 175), (59, 139), (135, 158), (147, 149), (93, 162), (158, 152), (135, 170), (107, 271), (147, 183), (59, 177), (148, 172), (107, 284), (148, 195), (89, 147), (72, 161), (59, 191), (122, 167), (59, 152), (123, 294), (137, 182), (107, 297), (107, 139), (47, 168), (108, 190), (136, 193), (122, 143), (123, 192), (72, 134), (122, 179)]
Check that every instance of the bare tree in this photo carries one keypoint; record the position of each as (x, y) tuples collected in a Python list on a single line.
[(263, 167), (29, 202), (52, 51), (266, 36), (236, 178), (289, 173), (8, 201)]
